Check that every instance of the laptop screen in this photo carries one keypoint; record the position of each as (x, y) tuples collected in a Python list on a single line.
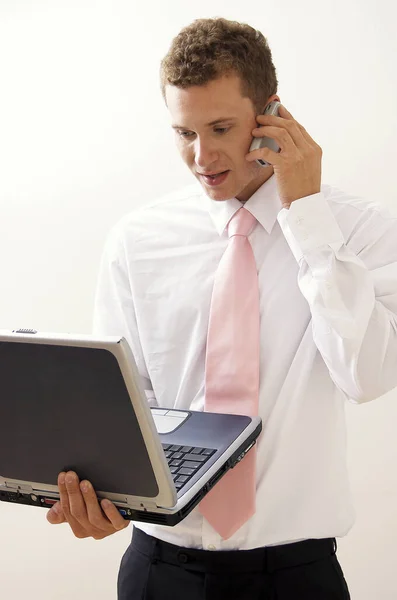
[(67, 408)]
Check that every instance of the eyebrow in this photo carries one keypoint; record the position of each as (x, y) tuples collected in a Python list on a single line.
[(216, 122)]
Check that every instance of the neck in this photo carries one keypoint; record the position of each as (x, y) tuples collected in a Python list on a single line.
[(255, 184)]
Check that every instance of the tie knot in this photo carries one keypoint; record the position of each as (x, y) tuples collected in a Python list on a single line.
[(241, 223)]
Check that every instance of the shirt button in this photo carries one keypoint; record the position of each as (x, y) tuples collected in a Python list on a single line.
[(211, 547)]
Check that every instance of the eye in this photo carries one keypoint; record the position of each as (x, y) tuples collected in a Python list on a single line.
[(185, 134), (221, 130)]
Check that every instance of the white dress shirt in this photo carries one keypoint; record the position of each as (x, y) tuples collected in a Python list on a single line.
[(327, 271)]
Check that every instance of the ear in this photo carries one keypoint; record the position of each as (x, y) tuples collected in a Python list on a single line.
[(273, 98)]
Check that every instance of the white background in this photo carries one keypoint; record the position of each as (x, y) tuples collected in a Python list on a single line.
[(85, 138)]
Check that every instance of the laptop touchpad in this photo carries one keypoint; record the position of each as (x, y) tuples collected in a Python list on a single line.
[(168, 420)]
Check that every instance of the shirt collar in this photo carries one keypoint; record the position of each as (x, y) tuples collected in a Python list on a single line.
[(264, 204)]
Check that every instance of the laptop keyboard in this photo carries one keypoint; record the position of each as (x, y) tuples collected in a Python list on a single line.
[(185, 461)]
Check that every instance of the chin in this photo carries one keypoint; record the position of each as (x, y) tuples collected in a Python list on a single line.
[(218, 194)]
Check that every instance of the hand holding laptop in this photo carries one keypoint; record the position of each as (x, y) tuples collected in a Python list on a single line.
[(80, 508)]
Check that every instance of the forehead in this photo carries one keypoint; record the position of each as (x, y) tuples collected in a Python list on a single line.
[(220, 97)]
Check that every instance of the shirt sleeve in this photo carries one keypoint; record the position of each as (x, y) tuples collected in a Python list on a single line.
[(348, 275), (114, 312)]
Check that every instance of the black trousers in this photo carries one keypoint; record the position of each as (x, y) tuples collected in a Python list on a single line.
[(155, 570)]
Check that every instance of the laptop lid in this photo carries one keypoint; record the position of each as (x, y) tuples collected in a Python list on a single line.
[(79, 388)]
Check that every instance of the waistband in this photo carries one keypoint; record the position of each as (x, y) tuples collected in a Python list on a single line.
[(266, 560)]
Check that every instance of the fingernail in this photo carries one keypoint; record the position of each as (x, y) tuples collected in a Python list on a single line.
[(69, 478), (106, 503), (85, 486), (61, 478)]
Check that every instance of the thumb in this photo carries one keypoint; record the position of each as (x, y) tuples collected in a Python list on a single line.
[(55, 515)]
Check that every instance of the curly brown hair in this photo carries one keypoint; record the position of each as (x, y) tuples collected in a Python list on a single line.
[(210, 48)]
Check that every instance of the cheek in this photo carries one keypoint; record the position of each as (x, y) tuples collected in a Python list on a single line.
[(240, 162), (241, 152), (246, 171)]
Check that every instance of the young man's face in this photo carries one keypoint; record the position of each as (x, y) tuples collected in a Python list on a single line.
[(213, 126)]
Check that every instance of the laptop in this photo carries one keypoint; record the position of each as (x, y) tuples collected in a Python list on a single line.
[(76, 402)]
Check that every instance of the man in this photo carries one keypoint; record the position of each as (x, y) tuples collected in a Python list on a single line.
[(327, 270)]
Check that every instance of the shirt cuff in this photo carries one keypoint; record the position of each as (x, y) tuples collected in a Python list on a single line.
[(309, 224)]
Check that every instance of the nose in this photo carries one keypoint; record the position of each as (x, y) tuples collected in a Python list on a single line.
[(205, 153)]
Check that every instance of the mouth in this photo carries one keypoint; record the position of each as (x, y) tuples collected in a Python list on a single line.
[(214, 178)]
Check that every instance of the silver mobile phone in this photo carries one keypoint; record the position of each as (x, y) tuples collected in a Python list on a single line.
[(266, 142)]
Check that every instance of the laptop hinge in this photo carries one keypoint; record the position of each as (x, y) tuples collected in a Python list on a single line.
[(24, 488)]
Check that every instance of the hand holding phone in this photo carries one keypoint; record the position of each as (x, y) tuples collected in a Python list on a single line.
[(297, 163), (266, 142)]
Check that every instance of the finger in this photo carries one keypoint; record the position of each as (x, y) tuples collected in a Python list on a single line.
[(274, 158), (285, 119), (288, 137), (63, 495), (114, 515), (281, 136), (284, 113), (75, 498), (55, 515), (76, 527), (286, 116), (96, 517)]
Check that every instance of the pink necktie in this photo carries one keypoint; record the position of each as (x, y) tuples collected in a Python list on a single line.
[(232, 369)]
